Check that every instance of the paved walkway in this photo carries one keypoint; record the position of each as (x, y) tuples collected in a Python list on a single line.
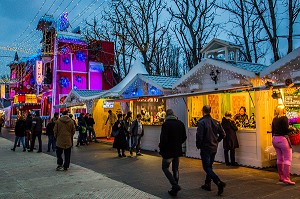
[(97, 172), (33, 175)]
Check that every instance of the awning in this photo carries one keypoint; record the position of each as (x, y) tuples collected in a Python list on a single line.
[(134, 98), (208, 92), (60, 106), (26, 104)]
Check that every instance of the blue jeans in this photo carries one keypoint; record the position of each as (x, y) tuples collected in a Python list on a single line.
[(173, 179), (18, 139), (92, 134), (208, 159), (135, 143), (51, 141)]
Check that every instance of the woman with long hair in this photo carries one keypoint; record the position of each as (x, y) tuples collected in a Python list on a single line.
[(282, 145)]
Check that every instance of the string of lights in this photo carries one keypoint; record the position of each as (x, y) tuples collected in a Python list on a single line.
[(26, 46), (84, 11), (30, 23)]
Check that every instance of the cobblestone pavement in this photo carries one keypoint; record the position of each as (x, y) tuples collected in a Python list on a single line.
[(97, 172)]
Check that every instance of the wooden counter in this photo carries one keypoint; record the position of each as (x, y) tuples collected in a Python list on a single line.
[(151, 137), (249, 153)]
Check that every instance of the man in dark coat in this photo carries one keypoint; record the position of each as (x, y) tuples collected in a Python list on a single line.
[(36, 129), (209, 134), (173, 135)]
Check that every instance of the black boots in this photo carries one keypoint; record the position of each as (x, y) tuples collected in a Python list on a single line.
[(174, 190), (221, 186), (206, 186)]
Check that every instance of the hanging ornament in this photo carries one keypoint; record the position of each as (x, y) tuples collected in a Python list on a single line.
[(75, 87), (80, 56), (78, 78), (64, 82), (66, 60)]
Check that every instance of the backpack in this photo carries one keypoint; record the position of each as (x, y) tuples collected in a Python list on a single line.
[(83, 129)]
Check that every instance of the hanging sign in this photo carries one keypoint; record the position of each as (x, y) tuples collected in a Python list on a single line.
[(39, 72), (107, 104)]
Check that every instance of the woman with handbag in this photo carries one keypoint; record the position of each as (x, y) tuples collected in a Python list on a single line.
[(281, 143), (119, 131)]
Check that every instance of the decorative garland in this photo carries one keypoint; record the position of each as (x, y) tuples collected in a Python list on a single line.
[(64, 82)]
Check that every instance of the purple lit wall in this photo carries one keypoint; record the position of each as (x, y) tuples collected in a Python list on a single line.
[(96, 84)]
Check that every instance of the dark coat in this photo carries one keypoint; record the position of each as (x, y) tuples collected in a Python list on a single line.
[(209, 134), (20, 128), (90, 121), (81, 121), (50, 126), (28, 123), (173, 135), (120, 140), (230, 141), (134, 128), (37, 125)]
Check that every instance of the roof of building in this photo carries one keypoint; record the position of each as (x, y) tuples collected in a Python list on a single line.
[(217, 43), (69, 37), (242, 68), (79, 96), (137, 68), (88, 93), (162, 81), (286, 60), (252, 67)]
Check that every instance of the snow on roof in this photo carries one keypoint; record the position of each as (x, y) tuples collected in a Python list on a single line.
[(137, 68), (281, 62), (221, 64)]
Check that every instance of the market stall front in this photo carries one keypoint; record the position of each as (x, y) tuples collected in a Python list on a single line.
[(90, 101), (226, 85), (284, 80), (142, 95)]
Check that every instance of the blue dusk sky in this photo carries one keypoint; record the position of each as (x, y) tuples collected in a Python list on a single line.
[(19, 20)]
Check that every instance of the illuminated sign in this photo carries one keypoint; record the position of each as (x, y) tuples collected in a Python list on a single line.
[(39, 72), (150, 99), (107, 104)]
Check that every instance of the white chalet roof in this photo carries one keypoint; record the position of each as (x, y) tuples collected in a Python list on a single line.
[(137, 68), (228, 66), (287, 64)]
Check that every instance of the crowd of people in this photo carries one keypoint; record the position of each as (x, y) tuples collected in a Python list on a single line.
[(128, 133)]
